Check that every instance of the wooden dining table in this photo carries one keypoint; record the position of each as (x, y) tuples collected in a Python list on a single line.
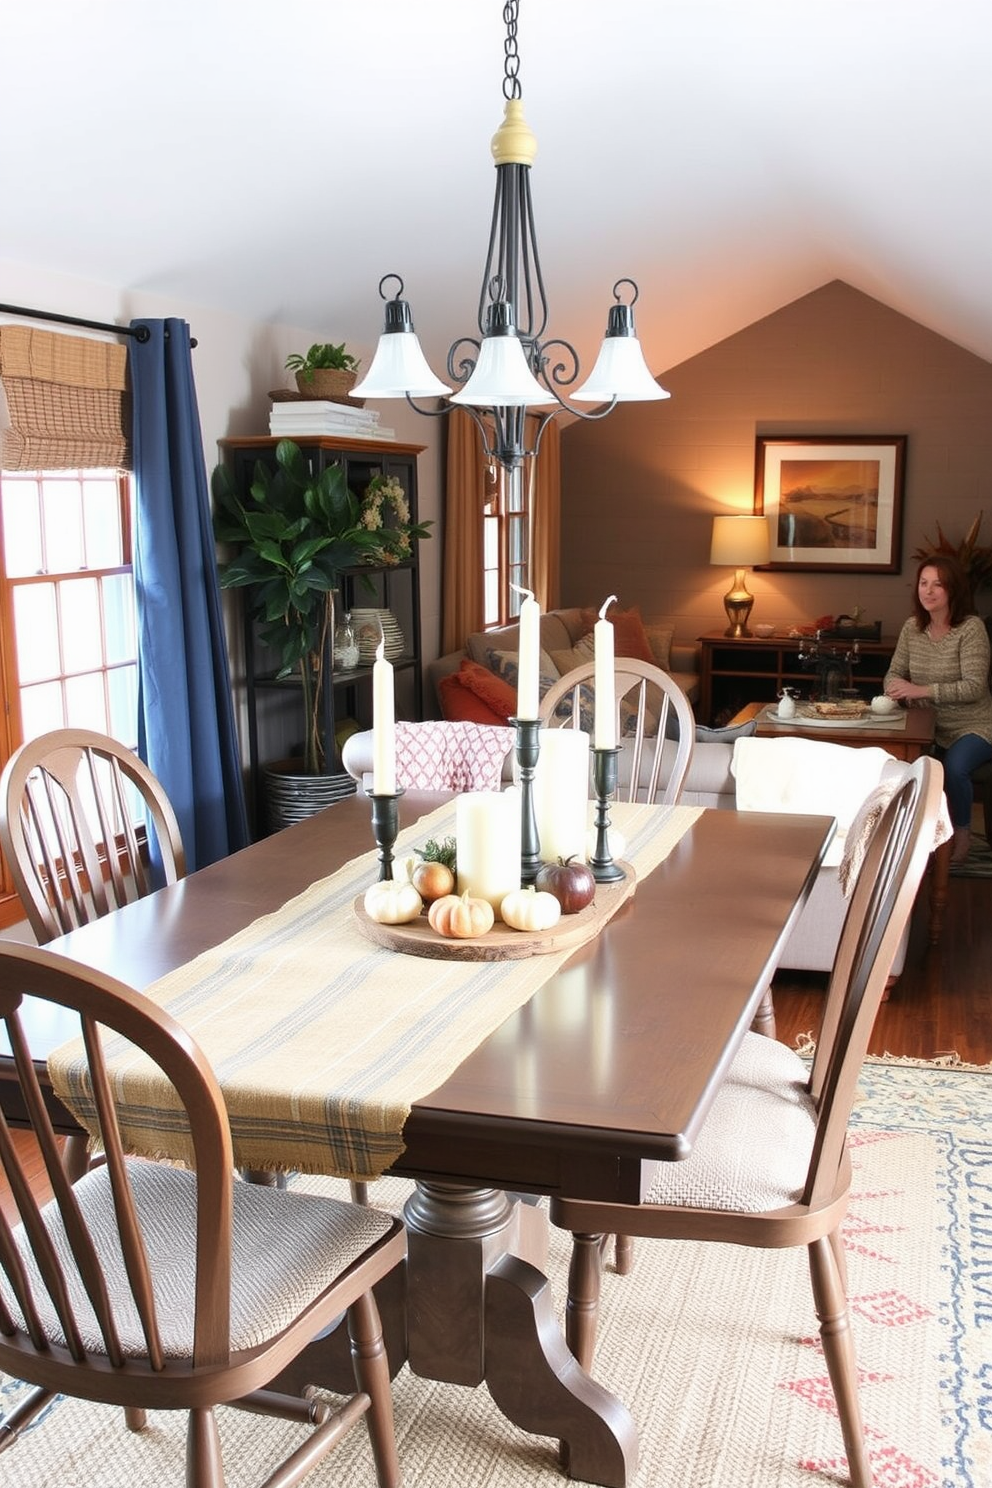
[(612, 1063)]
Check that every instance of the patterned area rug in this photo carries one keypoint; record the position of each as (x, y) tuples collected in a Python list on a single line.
[(714, 1350), (978, 863)]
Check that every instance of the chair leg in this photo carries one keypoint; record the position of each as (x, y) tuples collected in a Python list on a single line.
[(582, 1308), (830, 1298), (76, 1157), (623, 1254), (359, 1193), (204, 1468), (371, 1365), (135, 1419), (22, 1414), (764, 1019)]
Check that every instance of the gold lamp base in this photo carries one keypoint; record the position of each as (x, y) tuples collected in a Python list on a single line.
[(737, 602)]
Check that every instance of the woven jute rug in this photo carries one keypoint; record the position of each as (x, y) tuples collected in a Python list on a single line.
[(714, 1350)]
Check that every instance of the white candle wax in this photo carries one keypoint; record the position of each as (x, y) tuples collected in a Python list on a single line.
[(528, 658), (605, 709), (383, 725), (487, 832), (561, 794)]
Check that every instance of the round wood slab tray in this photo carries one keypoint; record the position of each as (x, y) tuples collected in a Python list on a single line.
[(501, 943)]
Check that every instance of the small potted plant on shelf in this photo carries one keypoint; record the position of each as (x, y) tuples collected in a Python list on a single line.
[(291, 536), (327, 371)]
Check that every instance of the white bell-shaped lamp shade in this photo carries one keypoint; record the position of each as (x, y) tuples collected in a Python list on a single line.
[(501, 377), (399, 368), (621, 374)]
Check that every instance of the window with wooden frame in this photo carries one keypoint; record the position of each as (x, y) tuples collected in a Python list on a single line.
[(505, 535), (68, 637)]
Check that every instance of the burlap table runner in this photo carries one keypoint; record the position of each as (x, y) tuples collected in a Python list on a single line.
[(320, 1040)]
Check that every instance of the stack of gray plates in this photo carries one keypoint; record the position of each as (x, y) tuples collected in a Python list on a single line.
[(368, 634)]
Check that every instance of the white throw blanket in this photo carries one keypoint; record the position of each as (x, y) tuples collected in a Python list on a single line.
[(805, 776)]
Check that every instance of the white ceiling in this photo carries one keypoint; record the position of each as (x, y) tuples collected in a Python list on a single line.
[(275, 158)]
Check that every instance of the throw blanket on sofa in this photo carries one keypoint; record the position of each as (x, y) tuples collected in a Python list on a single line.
[(451, 756)]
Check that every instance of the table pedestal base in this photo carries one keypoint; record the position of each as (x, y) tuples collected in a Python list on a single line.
[(477, 1306)]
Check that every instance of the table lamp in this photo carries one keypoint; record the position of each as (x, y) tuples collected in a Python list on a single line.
[(739, 543)]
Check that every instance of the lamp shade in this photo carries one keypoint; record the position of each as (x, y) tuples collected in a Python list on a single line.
[(739, 542), (502, 378), (620, 372), (400, 369)]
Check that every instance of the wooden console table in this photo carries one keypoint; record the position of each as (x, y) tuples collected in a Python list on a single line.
[(734, 672)]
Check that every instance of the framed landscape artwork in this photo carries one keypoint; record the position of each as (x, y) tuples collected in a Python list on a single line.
[(834, 502)]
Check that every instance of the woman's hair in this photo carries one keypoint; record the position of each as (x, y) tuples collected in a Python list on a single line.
[(955, 582)]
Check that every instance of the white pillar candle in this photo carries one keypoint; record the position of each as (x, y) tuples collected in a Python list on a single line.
[(605, 710), (487, 833), (528, 655), (561, 794), (383, 725)]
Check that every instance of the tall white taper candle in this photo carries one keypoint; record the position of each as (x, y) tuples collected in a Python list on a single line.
[(605, 710), (383, 725), (528, 654)]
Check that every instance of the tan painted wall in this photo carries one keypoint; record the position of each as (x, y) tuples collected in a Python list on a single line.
[(639, 488)]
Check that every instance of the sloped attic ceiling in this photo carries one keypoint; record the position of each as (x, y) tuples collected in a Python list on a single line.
[(276, 160)]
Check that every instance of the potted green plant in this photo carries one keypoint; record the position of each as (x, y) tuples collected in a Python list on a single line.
[(327, 371), (291, 536)]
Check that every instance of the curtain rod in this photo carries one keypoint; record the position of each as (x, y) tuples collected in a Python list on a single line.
[(140, 333)]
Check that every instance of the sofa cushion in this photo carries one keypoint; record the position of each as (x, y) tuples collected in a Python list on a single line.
[(554, 636), (490, 688), (629, 636), (577, 655), (460, 704)]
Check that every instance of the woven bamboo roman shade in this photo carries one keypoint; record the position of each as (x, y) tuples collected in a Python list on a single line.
[(65, 401)]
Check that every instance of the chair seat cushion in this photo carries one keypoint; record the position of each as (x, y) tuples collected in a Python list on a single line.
[(754, 1150), (286, 1248)]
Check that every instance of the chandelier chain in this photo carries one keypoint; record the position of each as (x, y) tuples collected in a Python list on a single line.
[(511, 75)]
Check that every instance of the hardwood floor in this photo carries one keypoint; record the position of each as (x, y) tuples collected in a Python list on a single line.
[(941, 1004)]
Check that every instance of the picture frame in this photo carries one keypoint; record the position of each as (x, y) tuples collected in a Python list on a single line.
[(834, 501)]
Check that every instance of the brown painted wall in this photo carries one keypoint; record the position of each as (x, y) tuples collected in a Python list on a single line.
[(639, 488)]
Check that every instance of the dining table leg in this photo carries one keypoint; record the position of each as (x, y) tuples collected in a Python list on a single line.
[(479, 1308)]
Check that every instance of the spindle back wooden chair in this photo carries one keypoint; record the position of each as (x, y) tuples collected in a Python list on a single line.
[(155, 1286), (660, 733), (68, 806), (770, 1168)]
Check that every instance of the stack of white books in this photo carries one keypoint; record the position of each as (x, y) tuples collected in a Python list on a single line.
[(320, 416)]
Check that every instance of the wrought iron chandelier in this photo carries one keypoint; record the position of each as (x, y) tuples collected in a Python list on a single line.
[(509, 368)]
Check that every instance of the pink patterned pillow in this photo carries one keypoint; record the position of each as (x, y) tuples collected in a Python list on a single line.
[(451, 756)]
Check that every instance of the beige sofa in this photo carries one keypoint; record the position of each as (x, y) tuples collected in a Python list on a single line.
[(709, 781), (560, 631)]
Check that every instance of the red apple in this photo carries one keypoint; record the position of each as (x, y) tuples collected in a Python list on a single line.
[(570, 881)]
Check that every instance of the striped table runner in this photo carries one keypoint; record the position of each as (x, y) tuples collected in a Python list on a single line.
[(320, 1040)]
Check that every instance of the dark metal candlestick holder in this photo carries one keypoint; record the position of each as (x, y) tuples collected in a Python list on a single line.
[(385, 825), (604, 774), (528, 748)]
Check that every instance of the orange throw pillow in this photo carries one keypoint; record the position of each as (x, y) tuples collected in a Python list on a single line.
[(458, 705), (629, 636), (474, 694)]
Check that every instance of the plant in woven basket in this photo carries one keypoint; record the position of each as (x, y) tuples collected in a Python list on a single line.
[(321, 355), (292, 534), (975, 559)]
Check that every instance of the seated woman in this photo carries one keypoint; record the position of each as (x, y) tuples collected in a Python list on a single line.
[(942, 658)]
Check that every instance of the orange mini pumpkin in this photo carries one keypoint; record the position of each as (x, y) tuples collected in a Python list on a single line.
[(460, 917)]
